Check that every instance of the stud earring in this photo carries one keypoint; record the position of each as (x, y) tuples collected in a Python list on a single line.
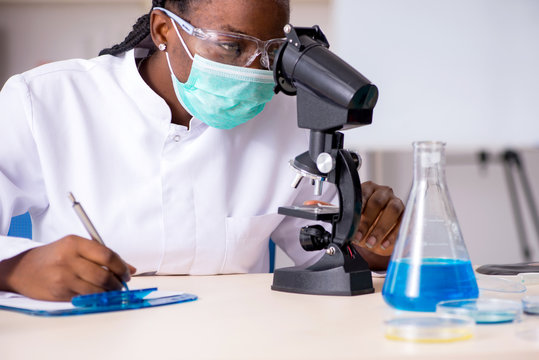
[(162, 47)]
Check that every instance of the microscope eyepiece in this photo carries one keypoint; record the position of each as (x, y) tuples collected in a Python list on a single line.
[(305, 64)]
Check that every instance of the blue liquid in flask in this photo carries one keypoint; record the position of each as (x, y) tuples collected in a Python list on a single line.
[(420, 288)]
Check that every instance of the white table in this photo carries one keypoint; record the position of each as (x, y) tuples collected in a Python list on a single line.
[(240, 317)]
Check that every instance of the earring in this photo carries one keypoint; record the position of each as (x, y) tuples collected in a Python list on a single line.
[(162, 47)]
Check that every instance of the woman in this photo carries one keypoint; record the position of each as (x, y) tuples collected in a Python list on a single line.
[(171, 143)]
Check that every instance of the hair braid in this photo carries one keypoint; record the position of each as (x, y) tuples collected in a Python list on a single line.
[(140, 30)]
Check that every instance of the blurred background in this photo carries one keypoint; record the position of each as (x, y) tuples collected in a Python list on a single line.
[(462, 71)]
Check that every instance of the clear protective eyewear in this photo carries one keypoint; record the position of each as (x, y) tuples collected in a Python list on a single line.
[(229, 48)]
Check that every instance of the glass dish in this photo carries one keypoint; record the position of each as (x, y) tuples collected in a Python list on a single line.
[(493, 283), (483, 310), (530, 305)]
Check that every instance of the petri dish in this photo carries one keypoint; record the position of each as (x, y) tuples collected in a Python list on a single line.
[(431, 329), (530, 305), (492, 283), (483, 310), (528, 278)]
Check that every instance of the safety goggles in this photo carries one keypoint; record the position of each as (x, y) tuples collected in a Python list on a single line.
[(229, 48)]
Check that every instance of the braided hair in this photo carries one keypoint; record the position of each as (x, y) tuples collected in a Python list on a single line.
[(141, 29)]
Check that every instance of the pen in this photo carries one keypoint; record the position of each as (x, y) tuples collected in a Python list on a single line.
[(89, 226)]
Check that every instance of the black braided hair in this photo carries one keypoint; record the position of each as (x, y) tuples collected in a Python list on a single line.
[(141, 29)]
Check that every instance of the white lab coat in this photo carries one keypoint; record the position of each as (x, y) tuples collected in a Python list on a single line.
[(168, 199)]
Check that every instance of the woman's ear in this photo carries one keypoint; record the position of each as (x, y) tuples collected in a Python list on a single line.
[(159, 27)]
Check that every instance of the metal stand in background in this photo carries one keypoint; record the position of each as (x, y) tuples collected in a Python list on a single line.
[(513, 168)]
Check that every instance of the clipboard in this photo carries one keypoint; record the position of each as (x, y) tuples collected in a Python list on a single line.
[(96, 303)]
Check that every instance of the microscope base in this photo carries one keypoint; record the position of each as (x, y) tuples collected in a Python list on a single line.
[(333, 281)]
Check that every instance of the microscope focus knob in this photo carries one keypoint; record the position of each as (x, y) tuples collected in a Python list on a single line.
[(314, 237), (325, 162)]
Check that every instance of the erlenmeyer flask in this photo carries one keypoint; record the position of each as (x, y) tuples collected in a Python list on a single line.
[(430, 262)]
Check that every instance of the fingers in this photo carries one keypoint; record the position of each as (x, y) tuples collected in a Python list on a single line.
[(387, 221), (384, 244), (104, 257), (65, 268), (79, 286), (373, 205), (380, 220), (132, 269), (81, 266), (367, 188), (87, 271), (95, 277), (388, 244), (63, 283)]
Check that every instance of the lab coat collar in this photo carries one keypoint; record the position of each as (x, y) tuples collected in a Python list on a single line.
[(143, 96)]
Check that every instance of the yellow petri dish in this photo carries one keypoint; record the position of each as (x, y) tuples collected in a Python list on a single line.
[(430, 329)]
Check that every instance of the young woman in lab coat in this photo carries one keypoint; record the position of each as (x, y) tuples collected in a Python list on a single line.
[(171, 143)]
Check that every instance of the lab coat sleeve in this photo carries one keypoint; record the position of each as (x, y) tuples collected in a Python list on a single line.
[(21, 182), (286, 235)]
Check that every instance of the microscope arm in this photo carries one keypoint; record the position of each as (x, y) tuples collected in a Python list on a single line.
[(349, 188)]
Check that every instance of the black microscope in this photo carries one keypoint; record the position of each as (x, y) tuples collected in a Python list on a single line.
[(331, 95)]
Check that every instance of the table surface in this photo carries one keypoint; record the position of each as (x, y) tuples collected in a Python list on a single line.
[(240, 317)]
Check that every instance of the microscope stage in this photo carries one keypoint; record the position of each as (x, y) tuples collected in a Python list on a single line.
[(310, 212)]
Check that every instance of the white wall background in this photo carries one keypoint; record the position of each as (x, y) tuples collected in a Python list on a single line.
[(33, 32), (463, 71)]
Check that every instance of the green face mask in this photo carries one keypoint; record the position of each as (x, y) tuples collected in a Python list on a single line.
[(223, 96)]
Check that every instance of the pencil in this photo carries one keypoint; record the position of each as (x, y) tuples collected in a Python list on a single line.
[(89, 227)]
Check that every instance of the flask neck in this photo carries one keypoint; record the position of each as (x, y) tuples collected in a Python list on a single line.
[(429, 161)]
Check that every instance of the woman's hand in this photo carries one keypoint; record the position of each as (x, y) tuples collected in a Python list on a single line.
[(379, 224), (65, 268)]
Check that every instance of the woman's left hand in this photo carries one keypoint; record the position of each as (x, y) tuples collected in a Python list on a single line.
[(380, 221)]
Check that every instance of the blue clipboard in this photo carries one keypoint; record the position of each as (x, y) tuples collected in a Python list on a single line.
[(108, 301)]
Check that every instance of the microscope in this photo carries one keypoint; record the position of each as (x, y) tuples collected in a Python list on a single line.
[(331, 95)]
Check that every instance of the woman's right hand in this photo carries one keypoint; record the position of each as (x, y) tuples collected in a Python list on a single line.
[(65, 268)]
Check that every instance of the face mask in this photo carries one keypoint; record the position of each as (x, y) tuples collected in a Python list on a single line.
[(223, 96)]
